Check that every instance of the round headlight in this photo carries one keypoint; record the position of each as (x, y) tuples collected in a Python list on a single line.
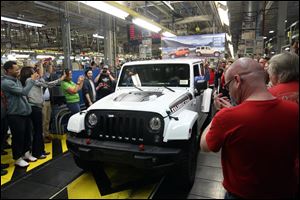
[(92, 119), (155, 123)]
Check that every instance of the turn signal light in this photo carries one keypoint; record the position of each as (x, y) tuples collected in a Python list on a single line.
[(88, 141), (141, 147)]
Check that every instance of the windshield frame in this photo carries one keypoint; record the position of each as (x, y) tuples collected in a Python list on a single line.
[(186, 66)]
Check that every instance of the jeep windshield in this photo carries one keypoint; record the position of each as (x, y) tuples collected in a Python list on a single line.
[(173, 75)]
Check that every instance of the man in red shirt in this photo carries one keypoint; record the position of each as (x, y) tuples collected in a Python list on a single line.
[(283, 70), (259, 137)]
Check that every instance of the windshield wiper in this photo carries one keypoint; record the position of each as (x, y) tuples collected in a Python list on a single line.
[(168, 88), (138, 88)]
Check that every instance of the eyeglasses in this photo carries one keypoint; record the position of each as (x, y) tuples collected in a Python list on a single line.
[(226, 85)]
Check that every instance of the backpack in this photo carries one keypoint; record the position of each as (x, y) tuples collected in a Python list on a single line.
[(3, 105)]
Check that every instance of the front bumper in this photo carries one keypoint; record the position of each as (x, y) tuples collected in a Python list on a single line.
[(151, 157)]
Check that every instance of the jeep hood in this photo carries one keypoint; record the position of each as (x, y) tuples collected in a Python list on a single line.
[(149, 100)]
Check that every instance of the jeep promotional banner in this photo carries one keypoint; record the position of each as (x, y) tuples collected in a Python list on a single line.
[(194, 46)]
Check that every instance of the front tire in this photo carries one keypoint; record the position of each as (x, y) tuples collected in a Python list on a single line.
[(83, 164), (186, 171), (216, 54)]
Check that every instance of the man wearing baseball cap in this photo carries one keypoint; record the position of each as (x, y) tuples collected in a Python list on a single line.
[(104, 83)]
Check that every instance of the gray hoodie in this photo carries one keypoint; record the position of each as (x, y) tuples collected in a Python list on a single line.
[(17, 103), (35, 96)]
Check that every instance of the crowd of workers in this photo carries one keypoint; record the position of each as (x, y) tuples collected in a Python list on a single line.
[(255, 126), (26, 97)]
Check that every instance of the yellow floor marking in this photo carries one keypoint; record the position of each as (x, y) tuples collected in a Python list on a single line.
[(126, 194), (59, 136), (48, 148), (140, 193), (84, 187), (64, 145), (7, 159), (63, 139)]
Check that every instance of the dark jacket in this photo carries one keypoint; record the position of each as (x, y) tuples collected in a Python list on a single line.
[(87, 89)]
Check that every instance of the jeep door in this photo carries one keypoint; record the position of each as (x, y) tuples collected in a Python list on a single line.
[(197, 73)]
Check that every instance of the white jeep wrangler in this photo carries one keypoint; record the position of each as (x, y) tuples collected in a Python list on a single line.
[(153, 119), (206, 50)]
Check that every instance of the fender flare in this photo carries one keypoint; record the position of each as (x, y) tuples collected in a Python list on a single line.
[(76, 122), (180, 129)]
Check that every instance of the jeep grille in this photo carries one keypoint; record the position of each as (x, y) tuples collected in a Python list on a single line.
[(128, 126)]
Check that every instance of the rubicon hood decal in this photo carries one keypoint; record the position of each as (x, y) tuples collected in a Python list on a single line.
[(138, 96), (180, 102)]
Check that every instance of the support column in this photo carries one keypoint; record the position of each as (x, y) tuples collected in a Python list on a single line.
[(282, 15), (66, 37), (109, 54)]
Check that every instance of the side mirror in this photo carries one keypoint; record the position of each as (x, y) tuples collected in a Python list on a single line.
[(200, 85)]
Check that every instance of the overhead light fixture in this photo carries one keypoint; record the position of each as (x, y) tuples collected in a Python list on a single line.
[(168, 34), (44, 57), (265, 37), (98, 36), (21, 22), (146, 25), (271, 31), (285, 21), (168, 3), (109, 9)]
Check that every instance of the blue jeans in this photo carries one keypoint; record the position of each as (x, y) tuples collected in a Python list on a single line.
[(74, 107)]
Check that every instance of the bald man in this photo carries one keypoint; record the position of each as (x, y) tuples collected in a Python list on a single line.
[(259, 137)]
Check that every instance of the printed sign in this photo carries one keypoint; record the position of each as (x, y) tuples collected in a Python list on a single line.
[(197, 46)]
